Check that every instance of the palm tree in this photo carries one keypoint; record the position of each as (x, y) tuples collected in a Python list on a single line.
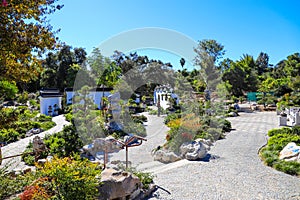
[(182, 62)]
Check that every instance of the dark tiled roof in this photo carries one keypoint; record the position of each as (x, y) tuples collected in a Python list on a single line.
[(50, 92), (98, 89)]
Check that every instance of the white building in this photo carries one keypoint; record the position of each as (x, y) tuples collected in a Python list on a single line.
[(162, 94), (50, 101), (96, 94)]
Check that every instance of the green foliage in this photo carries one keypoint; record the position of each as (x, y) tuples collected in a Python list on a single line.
[(8, 90), (64, 143), (8, 135), (279, 138), (10, 185), (61, 67), (276, 131), (69, 178), (23, 98), (292, 168), (139, 118), (69, 117), (145, 177), (171, 117)]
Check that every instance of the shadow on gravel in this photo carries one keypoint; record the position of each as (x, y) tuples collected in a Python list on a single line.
[(208, 158), (155, 193)]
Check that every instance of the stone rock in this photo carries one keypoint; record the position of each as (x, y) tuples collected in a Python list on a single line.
[(16, 172), (207, 143), (290, 152), (118, 185), (41, 161), (166, 156), (232, 114), (27, 170), (193, 150)]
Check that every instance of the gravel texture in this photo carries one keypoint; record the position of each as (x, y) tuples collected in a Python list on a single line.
[(234, 171)]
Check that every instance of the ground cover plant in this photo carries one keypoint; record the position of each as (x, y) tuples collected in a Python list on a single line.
[(15, 122), (278, 139)]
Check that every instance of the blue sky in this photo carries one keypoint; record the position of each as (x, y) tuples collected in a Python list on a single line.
[(242, 26)]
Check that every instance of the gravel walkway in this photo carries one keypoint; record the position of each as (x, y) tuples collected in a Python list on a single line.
[(236, 173), (19, 146)]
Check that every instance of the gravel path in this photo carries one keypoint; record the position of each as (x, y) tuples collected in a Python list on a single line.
[(140, 156), (19, 146), (238, 173)]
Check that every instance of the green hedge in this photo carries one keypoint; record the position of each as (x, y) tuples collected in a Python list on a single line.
[(279, 138)]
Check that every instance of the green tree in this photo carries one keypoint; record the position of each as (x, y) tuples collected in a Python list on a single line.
[(241, 76), (212, 48), (60, 68), (262, 63), (8, 90), (25, 35), (292, 65)]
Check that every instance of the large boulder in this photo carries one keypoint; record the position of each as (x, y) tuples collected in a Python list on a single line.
[(290, 152), (194, 150), (119, 185), (165, 156)]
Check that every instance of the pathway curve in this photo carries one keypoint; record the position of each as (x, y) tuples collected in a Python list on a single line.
[(140, 156), (238, 173), (19, 146)]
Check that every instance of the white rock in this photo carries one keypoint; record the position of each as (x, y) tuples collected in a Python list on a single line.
[(193, 150), (165, 156), (289, 151)]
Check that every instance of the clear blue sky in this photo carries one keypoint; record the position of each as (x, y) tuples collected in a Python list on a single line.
[(242, 26)]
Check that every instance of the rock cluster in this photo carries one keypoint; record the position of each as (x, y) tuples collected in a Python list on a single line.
[(194, 150)]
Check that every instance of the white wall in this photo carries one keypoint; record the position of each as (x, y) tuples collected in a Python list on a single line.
[(95, 95), (160, 95), (49, 101)]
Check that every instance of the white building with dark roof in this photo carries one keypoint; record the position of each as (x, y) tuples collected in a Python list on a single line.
[(162, 95), (50, 101), (96, 94)]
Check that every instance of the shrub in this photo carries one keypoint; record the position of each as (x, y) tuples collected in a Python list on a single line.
[(139, 118), (292, 168), (9, 185), (275, 131), (69, 117), (8, 135), (172, 117), (69, 178), (23, 98), (44, 118), (145, 177), (279, 138)]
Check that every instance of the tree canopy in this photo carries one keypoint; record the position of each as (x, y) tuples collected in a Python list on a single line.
[(25, 35)]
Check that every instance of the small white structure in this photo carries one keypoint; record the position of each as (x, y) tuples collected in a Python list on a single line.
[(96, 94), (293, 115), (162, 95), (50, 101)]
